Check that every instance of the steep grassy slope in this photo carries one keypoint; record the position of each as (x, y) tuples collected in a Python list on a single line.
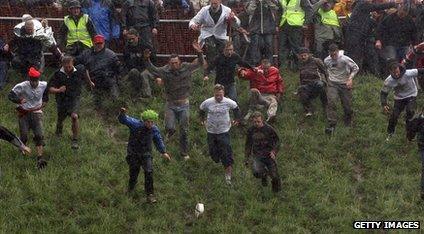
[(327, 182)]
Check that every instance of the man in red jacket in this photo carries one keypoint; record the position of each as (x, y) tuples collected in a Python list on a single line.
[(266, 88)]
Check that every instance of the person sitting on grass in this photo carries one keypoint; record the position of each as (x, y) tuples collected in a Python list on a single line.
[(139, 150), (262, 143), (7, 135)]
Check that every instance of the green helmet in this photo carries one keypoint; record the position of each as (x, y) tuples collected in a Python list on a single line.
[(149, 115)]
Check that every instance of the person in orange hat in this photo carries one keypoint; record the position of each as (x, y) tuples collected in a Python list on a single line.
[(31, 97)]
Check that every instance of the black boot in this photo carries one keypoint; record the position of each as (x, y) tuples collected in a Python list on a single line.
[(276, 185)]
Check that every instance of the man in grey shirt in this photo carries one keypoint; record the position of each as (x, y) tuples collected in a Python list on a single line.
[(176, 78), (218, 124), (341, 70), (403, 82)]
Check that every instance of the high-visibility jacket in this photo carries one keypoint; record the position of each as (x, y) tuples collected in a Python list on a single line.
[(329, 17), (292, 13), (78, 32)]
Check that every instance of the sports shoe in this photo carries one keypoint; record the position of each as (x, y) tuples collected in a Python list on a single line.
[(151, 198), (74, 144), (389, 136), (186, 157), (228, 180), (329, 131), (41, 162), (309, 114)]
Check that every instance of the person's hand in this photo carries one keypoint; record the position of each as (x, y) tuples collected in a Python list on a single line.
[(124, 32), (197, 47), (23, 100), (159, 81), (232, 15), (154, 31), (206, 78), (62, 89), (123, 110), (349, 83), (6, 48), (166, 156), (272, 155), (195, 27), (44, 23), (146, 54), (25, 150), (378, 44), (92, 85), (235, 123), (203, 122), (243, 31), (386, 109)]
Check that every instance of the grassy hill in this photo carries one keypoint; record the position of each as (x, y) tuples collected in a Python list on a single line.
[(327, 182)]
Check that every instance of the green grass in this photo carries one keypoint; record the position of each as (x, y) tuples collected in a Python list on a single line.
[(327, 182)]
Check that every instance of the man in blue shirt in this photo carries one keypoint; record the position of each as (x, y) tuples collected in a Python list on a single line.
[(139, 150)]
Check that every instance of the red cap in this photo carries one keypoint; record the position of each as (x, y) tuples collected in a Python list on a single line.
[(98, 39), (33, 73)]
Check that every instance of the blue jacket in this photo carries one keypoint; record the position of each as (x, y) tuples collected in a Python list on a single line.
[(140, 140)]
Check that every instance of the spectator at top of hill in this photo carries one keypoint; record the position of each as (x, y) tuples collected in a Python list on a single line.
[(104, 17)]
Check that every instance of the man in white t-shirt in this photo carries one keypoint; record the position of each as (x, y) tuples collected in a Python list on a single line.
[(218, 124), (403, 82)]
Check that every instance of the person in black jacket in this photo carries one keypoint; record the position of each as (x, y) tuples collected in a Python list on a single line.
[(262, 143), (225, 66), (66, 83), (103, 66), (417, 127), (7, 135), (141, 15), (359, 28), (395, 34), (5, 55), (135, 65)]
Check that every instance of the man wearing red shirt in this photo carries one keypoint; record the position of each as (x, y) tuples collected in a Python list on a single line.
[(266, 88)]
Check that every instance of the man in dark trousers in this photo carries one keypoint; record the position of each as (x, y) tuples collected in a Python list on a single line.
[(225, 66), (417, 127), (7, 135), (66, 83), (313, 78), (139, 151), (262, 143), (135, 65), (403, 81), (103, 66), (262, 27), (5, 56), (141, 15)]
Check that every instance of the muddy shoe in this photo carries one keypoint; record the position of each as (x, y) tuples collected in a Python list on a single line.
[(151, 198), (74, 144), (41, 162)]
